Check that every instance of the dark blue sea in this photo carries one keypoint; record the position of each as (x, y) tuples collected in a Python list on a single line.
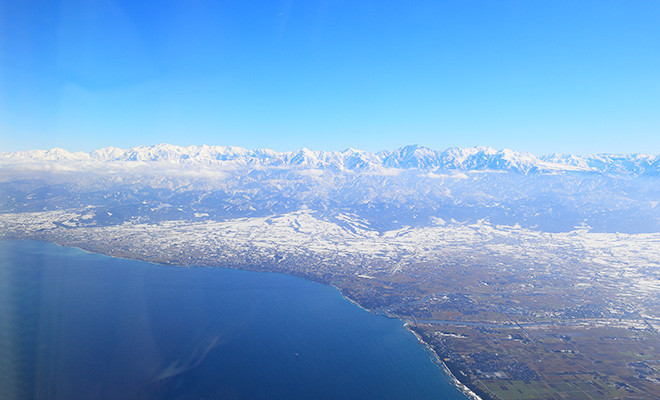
[(75, 325)]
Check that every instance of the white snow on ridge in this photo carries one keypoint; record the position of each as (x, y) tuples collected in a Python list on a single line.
[(408, 157)]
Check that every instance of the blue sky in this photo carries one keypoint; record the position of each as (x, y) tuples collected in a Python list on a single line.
[(541, 76)]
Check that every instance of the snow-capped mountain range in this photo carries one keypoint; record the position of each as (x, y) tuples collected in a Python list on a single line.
[(412, 186), (408, 157)]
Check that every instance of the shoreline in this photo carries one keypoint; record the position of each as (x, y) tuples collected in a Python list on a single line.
[(341, 293), (435, 358), (446, 371)]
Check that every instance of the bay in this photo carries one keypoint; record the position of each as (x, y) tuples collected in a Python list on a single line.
[(75, 325)]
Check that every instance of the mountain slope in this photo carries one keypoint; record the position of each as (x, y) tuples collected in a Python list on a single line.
[(408, 157), (410, 186)]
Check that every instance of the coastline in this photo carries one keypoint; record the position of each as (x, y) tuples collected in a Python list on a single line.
[(454, 380), (341, 293), (435, 358)]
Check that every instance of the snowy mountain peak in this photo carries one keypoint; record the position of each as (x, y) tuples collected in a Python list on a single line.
[(414, 156)]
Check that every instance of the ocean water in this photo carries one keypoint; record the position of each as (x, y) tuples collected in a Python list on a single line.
[(75, 325)]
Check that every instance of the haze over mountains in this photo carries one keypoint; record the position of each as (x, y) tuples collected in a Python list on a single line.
[(408, 157), (410, 186)]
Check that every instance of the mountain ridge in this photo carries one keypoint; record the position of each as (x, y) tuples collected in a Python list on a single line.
[(480, 158)]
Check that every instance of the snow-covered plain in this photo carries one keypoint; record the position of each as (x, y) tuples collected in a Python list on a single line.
[(630, 261)]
